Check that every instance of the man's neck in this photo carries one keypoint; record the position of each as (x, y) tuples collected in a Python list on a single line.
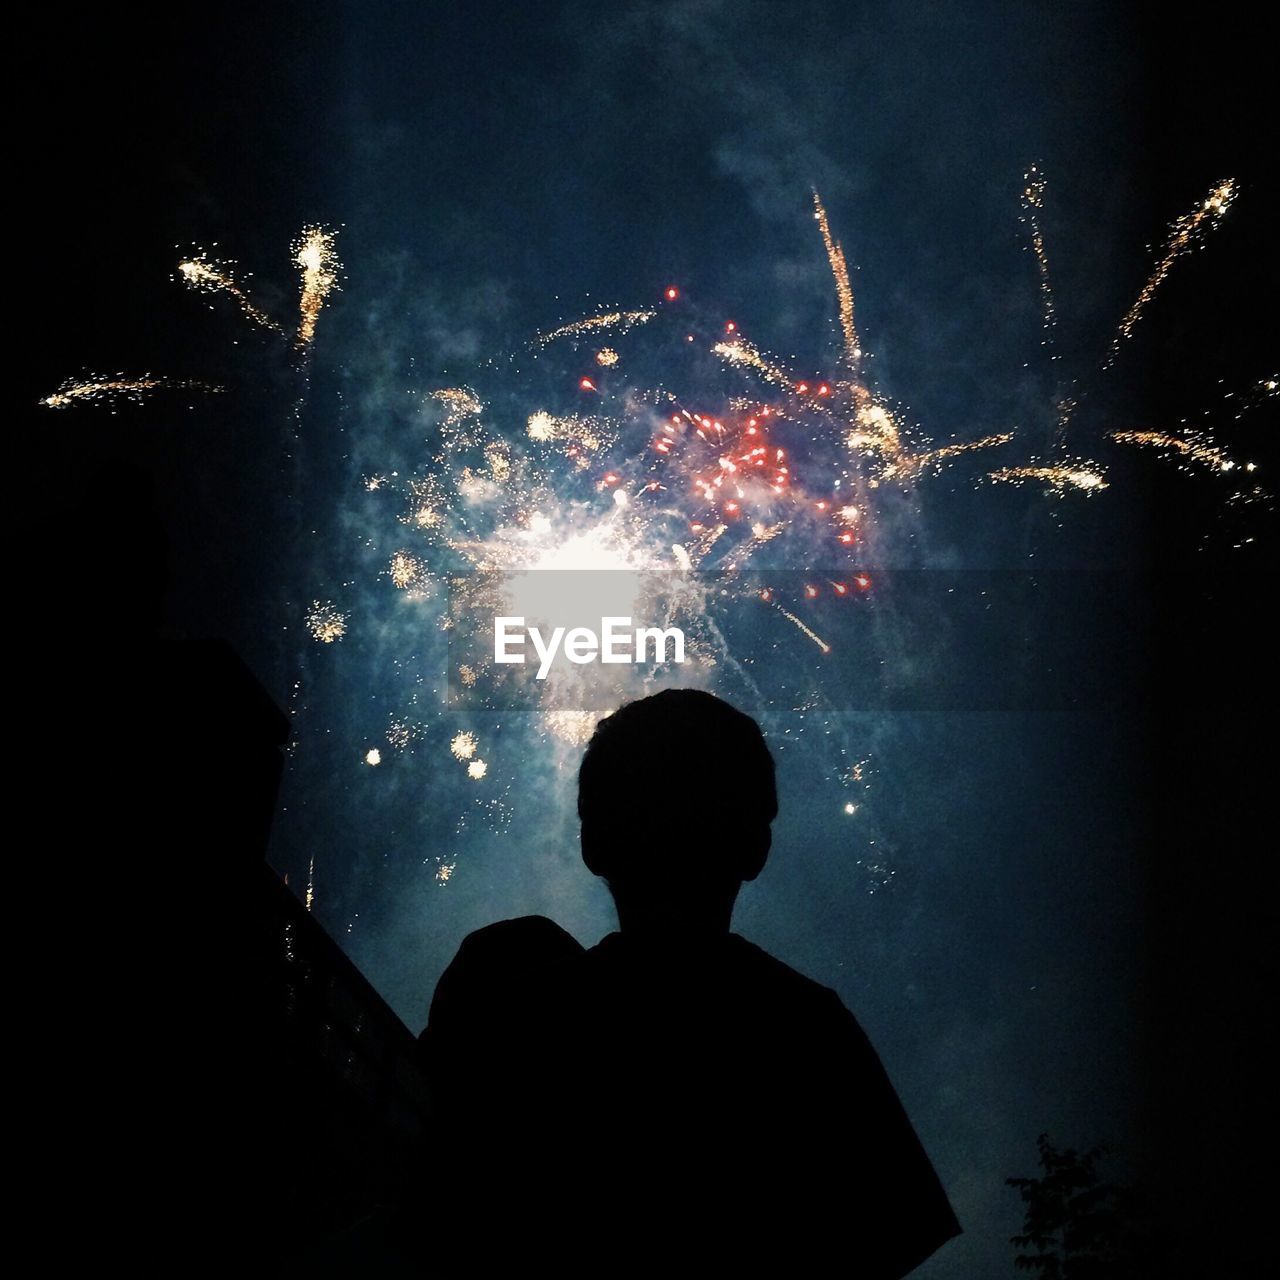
[(674, 919)]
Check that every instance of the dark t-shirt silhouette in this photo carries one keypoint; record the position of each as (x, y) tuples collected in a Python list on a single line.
[(640, 1102), (674, 1095)]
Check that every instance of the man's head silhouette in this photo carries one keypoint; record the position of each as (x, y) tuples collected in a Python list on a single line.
[(676, 793)]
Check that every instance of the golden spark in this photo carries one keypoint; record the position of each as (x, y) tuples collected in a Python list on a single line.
[(1184, 235), (315, 257), (1032, 204), (1058, 479), (94, 389), (620, 321), (844, 290), (326, 621), (210, 276)]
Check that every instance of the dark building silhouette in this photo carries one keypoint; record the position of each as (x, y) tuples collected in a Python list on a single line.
[(216, 1082)]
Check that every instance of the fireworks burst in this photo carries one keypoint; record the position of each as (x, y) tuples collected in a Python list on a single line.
[(1191, 448), (1058, 479), (207, 275), (326, 622), (315, 256), (95, 389), (1187, 232), (905, 468), (844, 290), (741, 352), (802, 627), (616, 321), (662, 478), (407, 571), (1033, 193), (572, 727)]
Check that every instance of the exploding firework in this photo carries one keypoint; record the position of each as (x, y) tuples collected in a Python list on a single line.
[(663, 477), (906, 467), (207, 275), (407, 571), (741, 352), (573, 727), (1191, 448), (614, 321), (1058, 479), (802, 627), (1033, 193), (844, 290), (326, 622), (1186, 233), (316, 257), (95, 389)]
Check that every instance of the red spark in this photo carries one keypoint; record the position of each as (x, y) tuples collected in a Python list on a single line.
[(863, 581), (672, 293), (824, 390), (586, 384), (811, 592), (802, 387)]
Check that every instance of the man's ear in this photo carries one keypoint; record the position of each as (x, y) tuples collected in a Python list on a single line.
[(755, 852), (593, 850)]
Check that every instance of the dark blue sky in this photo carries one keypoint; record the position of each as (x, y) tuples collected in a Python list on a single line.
[(497, 169)]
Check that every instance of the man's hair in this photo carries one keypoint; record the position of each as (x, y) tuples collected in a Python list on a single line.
[(681, 769)]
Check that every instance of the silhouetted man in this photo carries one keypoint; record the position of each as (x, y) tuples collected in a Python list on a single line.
[(673, 1095)]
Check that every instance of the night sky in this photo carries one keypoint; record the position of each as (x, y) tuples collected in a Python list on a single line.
[(1044, 909)]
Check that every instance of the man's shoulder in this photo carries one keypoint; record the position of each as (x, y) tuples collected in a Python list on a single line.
[(789, 985), (750, 954)]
